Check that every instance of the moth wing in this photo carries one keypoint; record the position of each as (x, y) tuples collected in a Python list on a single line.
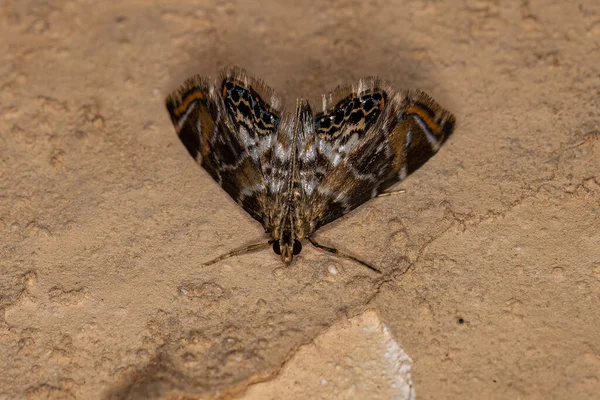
[(229, 127), (367, 138)]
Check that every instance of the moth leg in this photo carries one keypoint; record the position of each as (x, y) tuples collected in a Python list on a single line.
[(391, 193), (237, 252), (341, 254)]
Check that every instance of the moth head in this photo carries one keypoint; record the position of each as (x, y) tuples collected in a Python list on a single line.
[(287, 250)]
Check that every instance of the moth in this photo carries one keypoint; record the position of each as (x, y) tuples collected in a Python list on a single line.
[(295, 172)]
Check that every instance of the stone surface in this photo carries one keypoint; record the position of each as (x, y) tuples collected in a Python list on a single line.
[(354, 359), (491, 266)]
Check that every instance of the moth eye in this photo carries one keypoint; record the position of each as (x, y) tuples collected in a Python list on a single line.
[(297, 248), (276, 247)]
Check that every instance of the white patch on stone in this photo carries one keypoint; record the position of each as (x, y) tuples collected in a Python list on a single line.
[(358, 358), (332, 269)]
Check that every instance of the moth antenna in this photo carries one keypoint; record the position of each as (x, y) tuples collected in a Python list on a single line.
[(237, 252), (335, 251)]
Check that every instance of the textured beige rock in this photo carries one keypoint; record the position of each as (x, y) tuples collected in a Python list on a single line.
[(356, 359), (491, 264)]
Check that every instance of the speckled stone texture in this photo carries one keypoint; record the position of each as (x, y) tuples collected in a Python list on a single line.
[(491, 258)]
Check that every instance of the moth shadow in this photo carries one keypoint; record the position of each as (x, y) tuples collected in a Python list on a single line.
[(152, 381), (305, 60)]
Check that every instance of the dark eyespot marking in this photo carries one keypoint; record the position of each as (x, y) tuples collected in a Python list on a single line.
[(243, 107), (248, 108), (257, 110), (350, 115), (323, 123), (235, 95), (338, 116), (244, 93), (356, 117)]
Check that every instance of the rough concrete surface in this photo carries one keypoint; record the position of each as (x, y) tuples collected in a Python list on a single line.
[(491, 258)]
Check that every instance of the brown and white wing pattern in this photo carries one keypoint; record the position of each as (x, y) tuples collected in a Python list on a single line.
[(367, 138), (230, 128)]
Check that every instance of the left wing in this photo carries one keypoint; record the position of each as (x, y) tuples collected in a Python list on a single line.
[(367, 138), (229, 128)]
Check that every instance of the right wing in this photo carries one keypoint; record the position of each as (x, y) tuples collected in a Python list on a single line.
[(367, 138)]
